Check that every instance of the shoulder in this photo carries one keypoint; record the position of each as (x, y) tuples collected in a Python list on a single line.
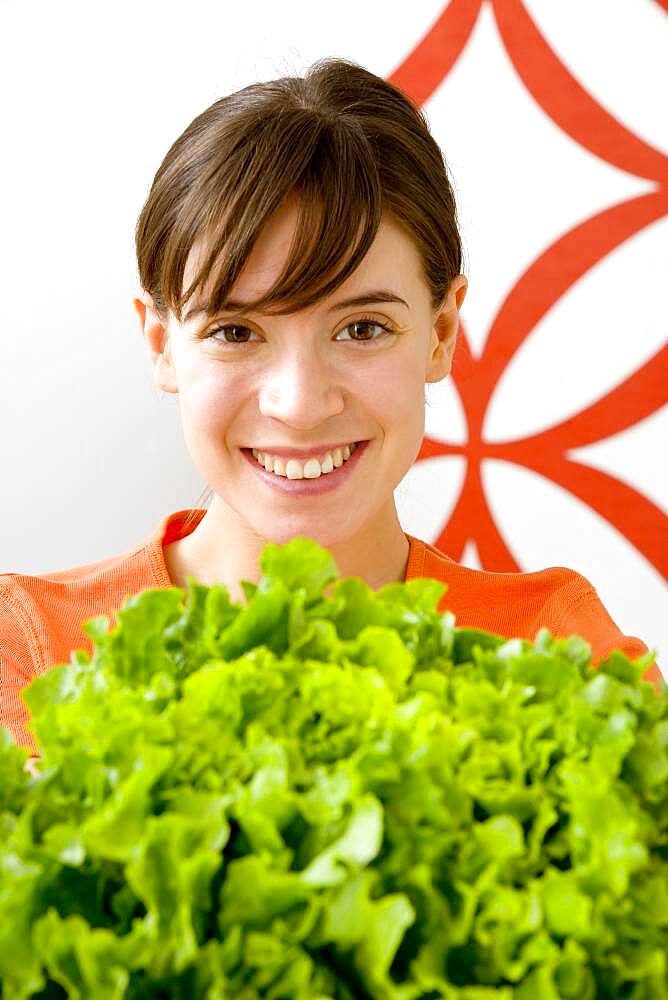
[(46, 610), (518, 604), (559, 586), (43, 613), (19, 658), (122, 574), (16, 620), (43, 593)]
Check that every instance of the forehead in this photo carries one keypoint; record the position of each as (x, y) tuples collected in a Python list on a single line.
[(393, 259)]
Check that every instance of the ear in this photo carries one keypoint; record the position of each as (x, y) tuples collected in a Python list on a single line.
[(444, 335), (157, 342)]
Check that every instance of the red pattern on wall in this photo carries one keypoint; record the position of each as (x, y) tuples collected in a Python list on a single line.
[(577, 113)]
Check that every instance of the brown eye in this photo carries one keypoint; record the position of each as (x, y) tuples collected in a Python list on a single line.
[(364, 330), (232, 334)]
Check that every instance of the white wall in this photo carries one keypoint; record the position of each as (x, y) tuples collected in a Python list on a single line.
[(93, 95)]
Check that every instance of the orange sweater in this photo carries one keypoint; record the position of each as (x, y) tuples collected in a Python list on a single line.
[(41, 616)]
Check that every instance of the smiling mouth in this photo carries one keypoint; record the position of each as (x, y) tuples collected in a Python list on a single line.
[(310, 468)]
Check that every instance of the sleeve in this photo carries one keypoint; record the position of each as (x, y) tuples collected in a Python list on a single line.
[(587, 616), (17, 670)]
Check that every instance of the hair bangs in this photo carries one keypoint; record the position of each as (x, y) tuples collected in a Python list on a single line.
[(346, 144), (330, 171)]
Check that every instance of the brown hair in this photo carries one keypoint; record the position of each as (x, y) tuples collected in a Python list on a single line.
[(348, 144)]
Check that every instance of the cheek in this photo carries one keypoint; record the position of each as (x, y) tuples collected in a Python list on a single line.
[(210, 402), (209, 399), (394, 393)]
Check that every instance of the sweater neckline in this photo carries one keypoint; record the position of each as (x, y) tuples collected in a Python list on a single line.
[(181, 523)]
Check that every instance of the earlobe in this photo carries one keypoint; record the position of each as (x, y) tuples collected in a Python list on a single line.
[(444, 340), (164, 374), (157, 342), (446, 325)]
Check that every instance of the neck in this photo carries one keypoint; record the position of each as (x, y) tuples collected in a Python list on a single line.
[(222, 549)]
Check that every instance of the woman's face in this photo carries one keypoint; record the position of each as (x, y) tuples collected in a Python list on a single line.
[(303, 385)]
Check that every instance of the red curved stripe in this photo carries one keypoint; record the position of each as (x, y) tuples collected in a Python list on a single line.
[(642, 523), (466, 372), (551, 275), (634, 399), (578, 114), (431, 60), (566, 102), (464, 364), (430, 448), (472, 519)]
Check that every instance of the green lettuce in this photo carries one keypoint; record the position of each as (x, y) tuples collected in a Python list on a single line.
[(334, 792)]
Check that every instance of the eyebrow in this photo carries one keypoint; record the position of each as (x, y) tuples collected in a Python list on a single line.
[(368, 298)]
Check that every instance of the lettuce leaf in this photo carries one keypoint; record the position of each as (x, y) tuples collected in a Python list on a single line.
[(334, 792)]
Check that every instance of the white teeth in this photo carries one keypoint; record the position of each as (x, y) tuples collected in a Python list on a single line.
[(311, 469)]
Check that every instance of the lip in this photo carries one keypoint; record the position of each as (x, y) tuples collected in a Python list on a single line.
[(307, 487), (300, 454)]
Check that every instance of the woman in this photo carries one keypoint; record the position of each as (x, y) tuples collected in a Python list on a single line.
[(299, 259)]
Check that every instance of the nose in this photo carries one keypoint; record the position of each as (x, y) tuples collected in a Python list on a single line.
[(300, 389)]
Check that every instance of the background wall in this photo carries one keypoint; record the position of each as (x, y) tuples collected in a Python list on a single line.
[(546, 447)]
